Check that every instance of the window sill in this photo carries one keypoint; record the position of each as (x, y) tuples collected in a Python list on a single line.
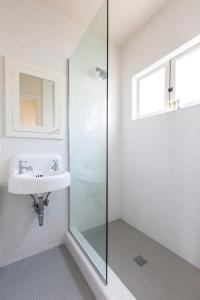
[(154, 114), (166, 111)]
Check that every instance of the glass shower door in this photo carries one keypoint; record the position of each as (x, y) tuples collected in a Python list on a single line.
[(88, 86)]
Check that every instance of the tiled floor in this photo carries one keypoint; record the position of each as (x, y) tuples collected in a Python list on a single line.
[(51, 275), (166, 276)]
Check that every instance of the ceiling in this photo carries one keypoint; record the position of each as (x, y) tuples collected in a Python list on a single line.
[(126, 17)]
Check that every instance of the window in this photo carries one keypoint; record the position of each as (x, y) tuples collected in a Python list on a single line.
[(172, 84), (151, 92), (186, 82)]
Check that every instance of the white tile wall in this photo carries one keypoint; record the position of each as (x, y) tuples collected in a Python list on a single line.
[(40, 36), (161, 154), (35, 34), (115, 202)]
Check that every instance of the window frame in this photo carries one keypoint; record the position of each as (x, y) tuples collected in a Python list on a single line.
[(169, 61)]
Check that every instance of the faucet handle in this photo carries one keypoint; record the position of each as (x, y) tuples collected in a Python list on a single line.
[(22, 161), (55, 165), (20, 166)]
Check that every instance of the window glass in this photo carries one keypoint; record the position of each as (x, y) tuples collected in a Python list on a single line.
[(151, 89), (187, 77)]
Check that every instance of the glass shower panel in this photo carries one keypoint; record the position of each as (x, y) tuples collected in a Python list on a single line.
[(88, 141)]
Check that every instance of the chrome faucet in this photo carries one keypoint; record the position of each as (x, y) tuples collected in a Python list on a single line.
[(21, 167), (55, 165)]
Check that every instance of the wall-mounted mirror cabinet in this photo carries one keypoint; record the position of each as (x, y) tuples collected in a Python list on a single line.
[(33, 102)]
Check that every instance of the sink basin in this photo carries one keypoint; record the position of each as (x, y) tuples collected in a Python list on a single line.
[(40, 177)]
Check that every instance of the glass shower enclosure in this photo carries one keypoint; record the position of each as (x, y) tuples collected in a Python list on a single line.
[(88, 137)]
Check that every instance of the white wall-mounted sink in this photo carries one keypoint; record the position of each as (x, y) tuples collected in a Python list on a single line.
[(37, 174)]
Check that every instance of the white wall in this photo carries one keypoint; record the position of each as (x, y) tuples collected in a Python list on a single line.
[(38, 35), (161, 154)]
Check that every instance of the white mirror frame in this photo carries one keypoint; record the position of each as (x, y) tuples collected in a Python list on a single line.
[(13, 68)]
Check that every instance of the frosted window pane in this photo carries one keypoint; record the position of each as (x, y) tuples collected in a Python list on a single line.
[(152, 93), (187, 78)]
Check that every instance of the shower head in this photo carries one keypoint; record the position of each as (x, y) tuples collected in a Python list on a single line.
[(102, 74)]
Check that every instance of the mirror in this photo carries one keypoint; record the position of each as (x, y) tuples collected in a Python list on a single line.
[(37, 101), (33, 102)]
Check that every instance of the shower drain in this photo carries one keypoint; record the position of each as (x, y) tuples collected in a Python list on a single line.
[(140, 260)]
